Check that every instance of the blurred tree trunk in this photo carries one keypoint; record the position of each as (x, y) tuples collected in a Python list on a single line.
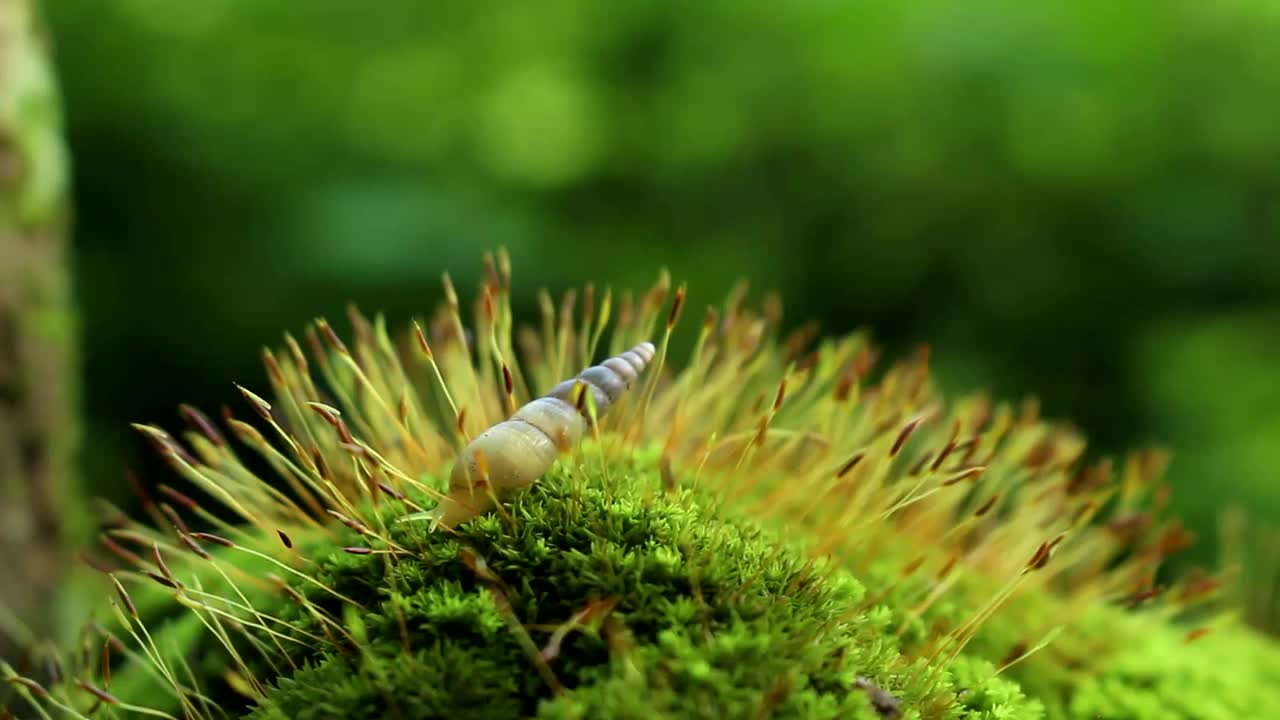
[(39, 429)]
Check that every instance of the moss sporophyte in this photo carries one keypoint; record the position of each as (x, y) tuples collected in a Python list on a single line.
[(773, 530)]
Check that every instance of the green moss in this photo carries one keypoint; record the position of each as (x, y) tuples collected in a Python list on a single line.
[(714, 617), (1118, 664), (849, 551), (1228, 674), (717, 615)]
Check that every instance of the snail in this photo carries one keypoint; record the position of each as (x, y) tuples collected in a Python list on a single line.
[(516, 452)]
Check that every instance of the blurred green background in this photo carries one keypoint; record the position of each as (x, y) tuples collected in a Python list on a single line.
[(1073, 199)]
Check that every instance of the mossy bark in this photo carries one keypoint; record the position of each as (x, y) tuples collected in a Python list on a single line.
[(38, 424)]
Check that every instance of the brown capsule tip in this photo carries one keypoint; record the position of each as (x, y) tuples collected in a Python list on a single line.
[(344, 433), (709, 319), (782, 395), (322, 467), (1040, 454), (450, 294), (106, 663), (912, 566), (193, 546), (669, 482), (120, 552), (1197, 634), (284, 538), (658, 294), (507, 380), (202, 423), (966, 449), (904, 435), (626, 310), (124, 598), (491, 271), (462, 421), (504, 268), (1128, 527), (349, 522), (761, 432), (178, 497), (422, 340), (1042, 554), (1174, 539), (1198, 587), (1146, 595), (391, 491), (567, 301), (95, 564), (1085, 512), (317, 348), (1014, 654), (31, 685), (262, 407), (850, 464), (942, 455), (330, 414), (159, 560), (918, 468), (99, 693), (923, 351), (354, 448), (946, 569), (588, 304), (360, 324), (215, 539), (677, 306), (972, 473), (273, 367), (332, 337), (174, 518), (490, 313), (167, 582), (299, 358), (115, 642), (358, 550), (844, 387), (862, 362), (808, 362), (986, 506), (580, 395), (139, 491)]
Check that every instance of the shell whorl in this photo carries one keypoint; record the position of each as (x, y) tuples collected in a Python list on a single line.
[(521, 449)]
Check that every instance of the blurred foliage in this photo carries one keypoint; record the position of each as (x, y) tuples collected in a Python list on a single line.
[(1075, 199), (1213, 394)]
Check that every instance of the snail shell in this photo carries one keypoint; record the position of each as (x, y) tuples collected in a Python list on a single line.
[(521, 449)]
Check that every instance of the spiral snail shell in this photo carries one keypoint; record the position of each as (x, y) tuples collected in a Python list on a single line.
[(521, 449)]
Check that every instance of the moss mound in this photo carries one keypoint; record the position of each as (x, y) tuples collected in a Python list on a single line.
[(689, 614), (1230, 673), (763, 532)]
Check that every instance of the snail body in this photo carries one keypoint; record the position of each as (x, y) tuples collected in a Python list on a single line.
[(519, 450)]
